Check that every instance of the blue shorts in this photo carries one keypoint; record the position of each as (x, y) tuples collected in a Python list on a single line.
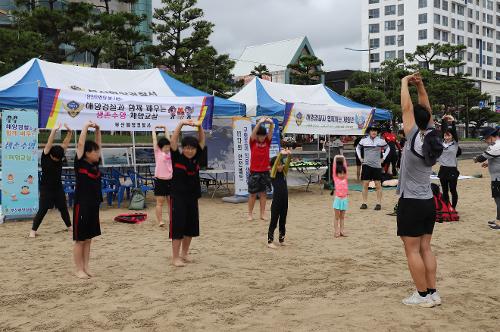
[(341, 203)]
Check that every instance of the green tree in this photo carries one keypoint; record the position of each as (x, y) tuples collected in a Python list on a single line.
[(424, 54), (184, 47), (23, 46), (307, 70), (260, 70), (451, 59)]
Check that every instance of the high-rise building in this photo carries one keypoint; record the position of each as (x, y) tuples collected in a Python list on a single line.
[(391, 28)]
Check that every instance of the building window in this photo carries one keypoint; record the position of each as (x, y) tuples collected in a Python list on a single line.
[(469, 57), (401, 54), (445, 36), (374, 57), (477, 72), (460, 25), (437, 34), (498, 48), (469, 42), (422, 3), (445, 21), (390, 40), (445, 5), (374, 43), (390, 25), (401, 25), (489, 47), (437, 19), (489, 75), (498, 35), (401, 40), (374, 28), (477, 58), (453, 25), (373, 1), (460, 40), (422, 34), (390, 55), (498, 76), (469, 70), (401, 9), (489, 19), (374, 13), (453, 38), (470, 27), (489, 61), (422, 18), (461, 10), (470, 13), (498, 62), (489, 5), (437, 3), (390, 10)]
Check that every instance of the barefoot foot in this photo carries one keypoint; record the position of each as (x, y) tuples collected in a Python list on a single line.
[(250, 217), (344, 234), (336, 234), (32, 234), (162, 224), (87, 271), (81, 275), (178, 263), (186, 259), (272, 245), (69, 229)]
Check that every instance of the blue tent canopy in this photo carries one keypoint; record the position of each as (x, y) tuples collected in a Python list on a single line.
[(19, 89)]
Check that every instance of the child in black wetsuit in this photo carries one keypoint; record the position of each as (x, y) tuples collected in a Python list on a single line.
[(279, 207), (88, 197)]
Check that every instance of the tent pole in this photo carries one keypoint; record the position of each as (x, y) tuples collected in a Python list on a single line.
[(133, 158), (329, 159)]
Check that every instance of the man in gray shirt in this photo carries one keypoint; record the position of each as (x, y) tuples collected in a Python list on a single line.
[(416, 211), (491, 159), (369, 151)]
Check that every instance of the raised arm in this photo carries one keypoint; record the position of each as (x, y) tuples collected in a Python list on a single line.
[(98, 136), (81, 140), (287, 162), (271, 128), (155, 139), (407, 105), (201, 134), (277, 162), (174, 142), (358, 150), (50, 140), (67, 139), (253, 136), (423, 98)]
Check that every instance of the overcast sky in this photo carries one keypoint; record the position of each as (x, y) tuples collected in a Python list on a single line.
[(330, 25)]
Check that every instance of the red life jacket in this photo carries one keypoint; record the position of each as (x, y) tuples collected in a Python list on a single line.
[(444, 211), (131, 218)]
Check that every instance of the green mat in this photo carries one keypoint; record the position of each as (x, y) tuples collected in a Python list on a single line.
[(359, 187)]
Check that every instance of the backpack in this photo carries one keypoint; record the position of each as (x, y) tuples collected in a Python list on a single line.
[(131, 218), (138, 200), (444, 211)]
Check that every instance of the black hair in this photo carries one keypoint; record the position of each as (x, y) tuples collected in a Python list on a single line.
[(422, 116), (162, 142), (261, 131), (56, 151), (190, 141), (90, 146), (339, 167), (401, 132)]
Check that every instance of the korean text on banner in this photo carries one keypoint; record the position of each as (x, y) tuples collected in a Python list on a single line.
[(19, 163), (325, 119), (276, 140), (242, 129), (117, 112)]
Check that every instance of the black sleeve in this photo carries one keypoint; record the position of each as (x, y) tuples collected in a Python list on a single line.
[(459, 152), (175, 154), (480, 158)]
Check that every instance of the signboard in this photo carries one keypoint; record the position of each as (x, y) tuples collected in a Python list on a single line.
[(325, 119), (115, 112), (19, 163), (242, 129), (276, 140)]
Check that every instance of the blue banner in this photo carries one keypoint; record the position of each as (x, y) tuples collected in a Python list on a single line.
[(19, 163), (276, 141)]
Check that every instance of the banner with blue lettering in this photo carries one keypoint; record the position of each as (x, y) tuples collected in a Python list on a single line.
[(121, 112), (19, 163), (276, 141), (303, 118)]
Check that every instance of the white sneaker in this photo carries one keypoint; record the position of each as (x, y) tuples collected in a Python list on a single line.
[(436, 298), (416, 299)]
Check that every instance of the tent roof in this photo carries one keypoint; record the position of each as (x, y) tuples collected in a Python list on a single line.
[(19, 88), (276, 55), (262, 97)]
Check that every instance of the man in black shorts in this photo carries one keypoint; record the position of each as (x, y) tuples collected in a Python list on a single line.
[(416, 211), (372, 151), (185, 191), (51, 188)]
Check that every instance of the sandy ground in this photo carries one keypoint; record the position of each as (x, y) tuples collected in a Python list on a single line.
[(318, 283)]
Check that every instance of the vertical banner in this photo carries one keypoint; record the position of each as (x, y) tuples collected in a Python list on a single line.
[(242, 129), (276, 141), (19, 163)]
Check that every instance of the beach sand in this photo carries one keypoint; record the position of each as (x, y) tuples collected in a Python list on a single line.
[(317, 283)]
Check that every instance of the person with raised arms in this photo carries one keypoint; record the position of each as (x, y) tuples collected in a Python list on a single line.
[(416, 211)]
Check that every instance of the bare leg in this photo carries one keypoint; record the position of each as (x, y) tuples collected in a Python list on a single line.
[(430, 261), (415, 261), (378, 186), (186, 242), (86, 257), (365, 191), (176, 247), (336, 223), (159, 209), (78, 257), (358, 172), (251, 203), (262, 200), (342, 216)]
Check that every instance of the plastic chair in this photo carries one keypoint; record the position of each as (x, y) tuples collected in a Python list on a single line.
[(122, 188), (143, 183), (109, 188)]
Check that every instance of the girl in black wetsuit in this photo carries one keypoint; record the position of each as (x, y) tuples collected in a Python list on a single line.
[(88, 197)]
